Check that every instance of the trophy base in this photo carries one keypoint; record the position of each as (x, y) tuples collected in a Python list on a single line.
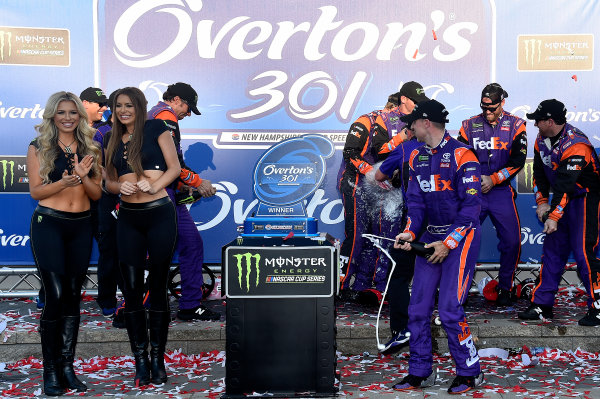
[(280, 226)]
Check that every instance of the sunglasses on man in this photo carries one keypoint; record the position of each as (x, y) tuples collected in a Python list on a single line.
[(489, 107)]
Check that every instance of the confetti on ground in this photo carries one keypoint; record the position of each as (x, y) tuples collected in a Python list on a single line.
[(524, 372)]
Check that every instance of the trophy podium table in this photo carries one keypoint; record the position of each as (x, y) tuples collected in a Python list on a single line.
[(280, 335)]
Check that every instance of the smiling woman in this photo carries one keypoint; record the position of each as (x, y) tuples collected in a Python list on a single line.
[(141, 161), (64, 174)]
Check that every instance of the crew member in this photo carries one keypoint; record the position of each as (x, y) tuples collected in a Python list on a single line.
[(565, 161), (444, 187), (499, 140), (358, 161), (396, 168), (389, 132), (95, 103), (179, 101)]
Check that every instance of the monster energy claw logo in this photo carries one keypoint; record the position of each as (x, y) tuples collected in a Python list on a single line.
[(247, 257), (8, 36), (525, 178), (5, 169)]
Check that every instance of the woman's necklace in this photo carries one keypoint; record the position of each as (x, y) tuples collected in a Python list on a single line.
[(67, 147)]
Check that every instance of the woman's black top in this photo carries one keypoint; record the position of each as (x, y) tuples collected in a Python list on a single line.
[(64, 161), (152, 156)]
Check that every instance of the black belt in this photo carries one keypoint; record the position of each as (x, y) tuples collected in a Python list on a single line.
[(145, 205), (44, 210)]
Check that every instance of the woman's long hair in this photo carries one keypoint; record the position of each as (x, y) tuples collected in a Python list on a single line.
[(48, 148), (134, 148)]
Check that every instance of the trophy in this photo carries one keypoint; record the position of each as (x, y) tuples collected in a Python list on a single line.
[(285, 175)]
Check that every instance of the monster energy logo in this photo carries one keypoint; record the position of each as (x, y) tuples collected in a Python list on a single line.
[(5, 169), (532, 46), (246, 259), (525, 180), (2, 45)]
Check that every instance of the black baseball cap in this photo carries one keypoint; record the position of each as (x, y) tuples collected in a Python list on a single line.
[(433, 110), (550, 109), (186, 93), (93, 94), (414, 91), (494, 92)]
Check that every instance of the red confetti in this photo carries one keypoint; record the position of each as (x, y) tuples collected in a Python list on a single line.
[(415, 54), (434, 35), (290, 235), (574, 77)]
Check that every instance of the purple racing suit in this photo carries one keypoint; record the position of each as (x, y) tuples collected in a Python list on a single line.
[(502, 151), (569, 165), (444, 187)]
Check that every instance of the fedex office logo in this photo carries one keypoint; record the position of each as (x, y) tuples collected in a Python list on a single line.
[(434, 183), (493, 144), (472, 179)]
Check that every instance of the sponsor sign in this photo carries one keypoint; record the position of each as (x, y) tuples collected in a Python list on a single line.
[(567, 52), (13, 174), (34, 46), (292, 272)]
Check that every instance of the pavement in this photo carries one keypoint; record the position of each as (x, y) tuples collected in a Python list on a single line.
[(520, 359)]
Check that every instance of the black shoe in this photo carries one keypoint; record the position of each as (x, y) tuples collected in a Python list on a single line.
[(592, 318), (462, 384), (70, 332), (412, 382), (504, 297), (537, 312), (199, 313), (348, 295), (399, 340), (50, 334), (159, 331), (137, 330)]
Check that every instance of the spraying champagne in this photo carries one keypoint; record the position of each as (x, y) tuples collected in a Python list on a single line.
[(417, 246)]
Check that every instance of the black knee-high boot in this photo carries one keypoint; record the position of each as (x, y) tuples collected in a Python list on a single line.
[(159, 330), (138, 338), (70, 331), (50, 335)]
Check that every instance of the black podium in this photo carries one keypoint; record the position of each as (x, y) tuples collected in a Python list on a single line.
[(280, 336)]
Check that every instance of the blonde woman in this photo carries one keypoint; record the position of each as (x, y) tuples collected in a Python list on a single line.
[(64, 174), (141, 161)]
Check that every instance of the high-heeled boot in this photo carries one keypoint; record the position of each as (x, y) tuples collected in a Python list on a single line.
[(159, 330), (138, 338), (70, 330), (50, 334)]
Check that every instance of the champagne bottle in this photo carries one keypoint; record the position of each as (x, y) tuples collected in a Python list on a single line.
[(419, 248)]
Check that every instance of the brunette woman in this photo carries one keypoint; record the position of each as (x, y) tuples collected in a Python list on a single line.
[(140, 162), (64, 174)]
